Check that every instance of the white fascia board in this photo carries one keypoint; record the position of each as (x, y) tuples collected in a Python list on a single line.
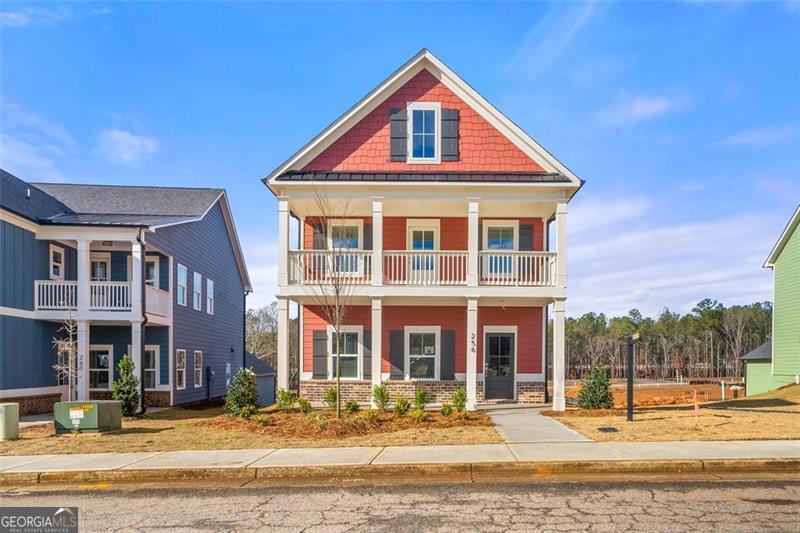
[(423, 60), (784, 238)]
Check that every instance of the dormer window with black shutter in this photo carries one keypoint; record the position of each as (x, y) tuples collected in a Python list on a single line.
[(424, 133)]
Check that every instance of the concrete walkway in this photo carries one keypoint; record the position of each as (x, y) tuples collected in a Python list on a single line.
[(527, 425)]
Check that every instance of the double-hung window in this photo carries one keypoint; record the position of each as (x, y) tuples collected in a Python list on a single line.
[(100, 267), (100, 366), (197, 291), (500, 238), (422, 352), (149, 364), (349, 346), (182, 282), (151, 271), (423, 138), (346, 235), (198, 369), (56, 262), (210, 296), (180, 369)]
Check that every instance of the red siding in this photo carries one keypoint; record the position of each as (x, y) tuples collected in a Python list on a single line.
[(308, 229), (529, 334), (365, 147), (313, 319)]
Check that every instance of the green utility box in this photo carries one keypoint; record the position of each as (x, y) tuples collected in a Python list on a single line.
[(87, 417), (9, 421)]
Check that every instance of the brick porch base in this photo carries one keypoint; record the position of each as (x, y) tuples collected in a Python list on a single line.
[(153, 398), (35, 405)]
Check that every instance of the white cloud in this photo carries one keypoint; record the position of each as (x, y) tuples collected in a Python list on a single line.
[(36, 16), (631, 109), (17, 118), (124, 147), (761, 137), (29, 161)]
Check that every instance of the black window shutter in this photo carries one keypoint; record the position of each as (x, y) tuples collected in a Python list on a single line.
[(480, 236), (398, 132), (526, 237), (397, 355), (449, 134), (367, 236), (447, 364), (320, 354), (367, 358)]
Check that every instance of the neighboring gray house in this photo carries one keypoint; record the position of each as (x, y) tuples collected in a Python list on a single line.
[(154, 272), (265, 378)]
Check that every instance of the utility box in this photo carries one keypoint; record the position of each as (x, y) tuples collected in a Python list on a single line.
[(9, 421), (87, 417)]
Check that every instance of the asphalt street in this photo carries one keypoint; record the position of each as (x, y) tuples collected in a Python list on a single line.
[(557, 506)]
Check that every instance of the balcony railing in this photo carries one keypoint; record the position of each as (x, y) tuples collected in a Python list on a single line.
[(423, 268), (109, 296), (157, 302), (63, 295)]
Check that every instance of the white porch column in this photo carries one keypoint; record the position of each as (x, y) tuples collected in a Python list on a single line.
[(559, 403), (472, 245), (82, 362), (377, 243), (136, 280), (283, 242), (561, 244), (472, 353), (283, 344), (377, 339), (136, 352), (84, 277)]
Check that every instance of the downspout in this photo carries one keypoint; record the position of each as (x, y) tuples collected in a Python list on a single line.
[(143, 267)]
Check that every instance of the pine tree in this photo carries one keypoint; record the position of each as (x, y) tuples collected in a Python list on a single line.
[(596, 391), (126, 388)]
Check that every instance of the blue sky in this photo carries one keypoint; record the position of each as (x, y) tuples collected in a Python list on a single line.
[(684, 118)]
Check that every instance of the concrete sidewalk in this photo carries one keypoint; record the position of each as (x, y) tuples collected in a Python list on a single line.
[(527, 425)]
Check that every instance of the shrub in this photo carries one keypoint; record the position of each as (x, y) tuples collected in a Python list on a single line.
[(261, 419), (320, 420), (351, 407), (418, 415), (331, 398), (401, 406), (242, 392), (305, 406), (248, 411), (285, 400), (420, 399), (596, 391), (380, 394), (447, 409), (460, 399), (126, 388)]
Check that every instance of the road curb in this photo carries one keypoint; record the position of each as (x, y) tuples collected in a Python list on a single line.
[(490, 472)]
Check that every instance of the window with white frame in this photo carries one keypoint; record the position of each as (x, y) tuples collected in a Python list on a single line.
[(346, 235), (499, 236), (422, 238), (151, 276), (100, 266), (182, 281), (56, 262), (197, 291), (180, 369), (198, 369), (149, 364), (210, 296), (424, 132), (100, 366), (423, 346), (349, 345)]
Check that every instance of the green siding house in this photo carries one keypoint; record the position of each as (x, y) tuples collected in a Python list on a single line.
[(777, 363)]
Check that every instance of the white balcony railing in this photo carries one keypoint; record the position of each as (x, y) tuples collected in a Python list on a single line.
[(320, 267), (157, 301), (531, 269), (55, 295), (109, 296), (425, 267)]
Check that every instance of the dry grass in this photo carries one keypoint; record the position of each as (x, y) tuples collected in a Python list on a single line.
[(211, 429), (773, 415)]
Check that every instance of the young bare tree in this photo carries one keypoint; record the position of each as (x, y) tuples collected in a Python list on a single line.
[(331, 275), (66, 346)]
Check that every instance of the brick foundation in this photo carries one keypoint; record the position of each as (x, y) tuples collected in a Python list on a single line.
[(154, 398), (35, 405), (438, 391)]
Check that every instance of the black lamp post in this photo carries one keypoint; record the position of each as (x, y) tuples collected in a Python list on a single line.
[(632, 341)]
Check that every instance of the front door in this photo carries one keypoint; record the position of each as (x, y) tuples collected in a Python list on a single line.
[(499, 373)]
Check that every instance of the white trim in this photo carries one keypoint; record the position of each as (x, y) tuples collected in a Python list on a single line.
[(157, 348), (197, 382), (357, 222), (210, 297), (346, 329), (496, 223), (17, 313), (423, 224), (437, 331), (424, 59), (54, 248), (98, 348), (100, 257), (197, 291), (178, 369), (171, 342), (153, 258), (436, 107), (503, 329), (185, 285), (19, 221), (782, 240)]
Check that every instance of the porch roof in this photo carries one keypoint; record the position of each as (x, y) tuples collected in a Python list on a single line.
[(436, 177)]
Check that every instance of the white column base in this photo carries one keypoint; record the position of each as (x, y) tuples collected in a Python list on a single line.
[(377, 346), (559, 404), (472, 354), (136, 354), (82, 363), (283, 344)]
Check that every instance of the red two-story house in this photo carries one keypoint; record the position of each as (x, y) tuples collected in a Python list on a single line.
[(430, 209)]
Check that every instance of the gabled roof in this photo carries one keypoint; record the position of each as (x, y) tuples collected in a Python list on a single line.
[(425, 59), (787, 233), (257, 365), (762, 352), (26, 200), (475, 177)]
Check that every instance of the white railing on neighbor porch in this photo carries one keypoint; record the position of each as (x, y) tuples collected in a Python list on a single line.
[(109, 296), (55, 295), (157, 301), (316, 267), (532, 269), (425, 267)]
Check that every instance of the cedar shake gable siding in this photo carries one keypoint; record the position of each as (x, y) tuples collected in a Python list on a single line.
[(365, 147)]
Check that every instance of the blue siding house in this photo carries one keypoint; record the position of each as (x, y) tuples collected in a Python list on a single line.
[(153, 272)]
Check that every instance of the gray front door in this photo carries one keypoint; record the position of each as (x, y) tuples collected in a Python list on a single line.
[(499, 372)]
